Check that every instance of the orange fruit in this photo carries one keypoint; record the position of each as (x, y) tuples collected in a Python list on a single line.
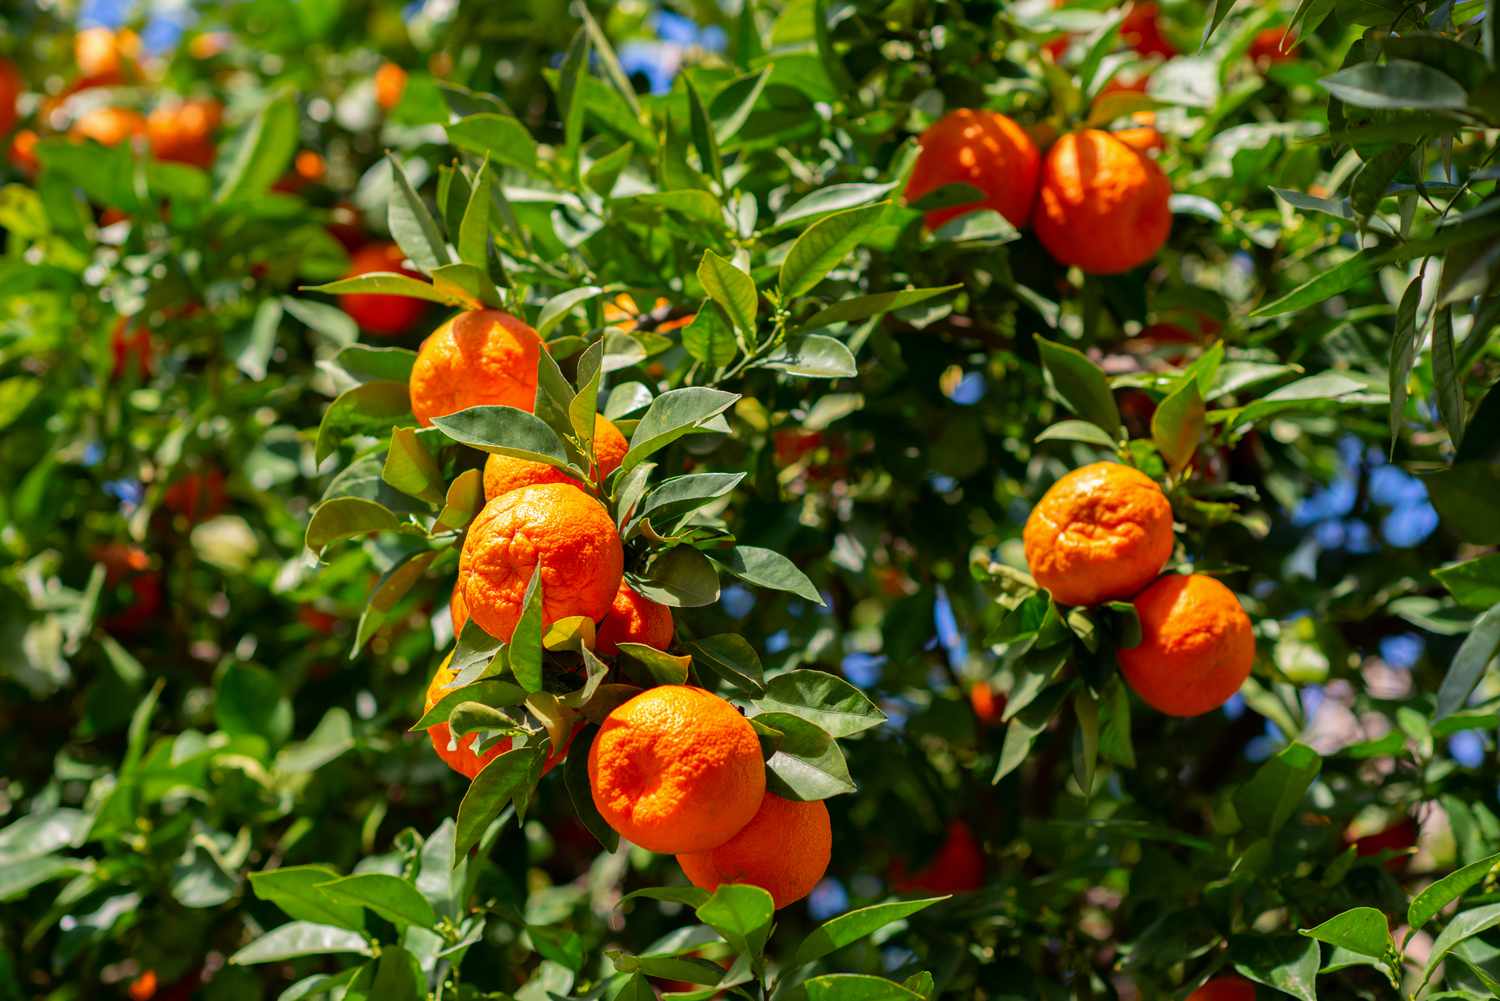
[(143, 987), (1273, 45), (1141, 30), (988, 706), (183, 131), (482, 357), (104, 56), (634, 618), (1227, 988), (23, 151), (1196, 645), (983, 149), (958, 866), (197, 496), (1103, 205), (309, 165), (462, 756), (504, 473), (382, 315), (558, 526), (458, 609), (784, 850), (108, 126), (1102, 532), (1398, 837), (676, 769), (11, 87), (1142, 138), (390, 84)]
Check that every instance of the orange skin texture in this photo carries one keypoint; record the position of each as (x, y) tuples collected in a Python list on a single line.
[(390, 84), (634, 618), (1142, 138), (504, 473), (108, 126), (988, 706), (482, 357), (1103, 205), (677, 769), (1196, 646), (559, 526), (958, 866), (1225, 989), (983, 149), (784, 850), (462, 758), (381, 315), (197, 496), (1141, 30), (11, 86), (183, 131), (1102, 532), (458, 609), (143, 987), (1273, 45)]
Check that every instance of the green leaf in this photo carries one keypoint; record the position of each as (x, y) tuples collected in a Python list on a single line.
[(576, 777), (1285, 962), (1081, 385), (865, 306), (573, 72), (398, 976), (672, 415), (732, 289), (506, 431), (1474, 583), (385, 283), (768, 568), (822, 699), (664, 668), (412, 226), (368, 364), (732, 106), (367, 409), (834, 198), (812, 356), (391, 897), (1404, 344), (824, 246), (264, 152), (19, 876), (474, 230), (703, 133), (1177, 425), (464, 500), (732, 658), (741, 914), (492, 789), (1398, 85), (559, 306), (608, 60), (391, 588), (294, 889), (1464, 925), (1468, 667), (501, 138), (854, 925), (1449, 381), (807, 763), (249, 701), (682, 577), (1028, 724), (524, 654), (410, 468), (856, 987), (709, 339), (1267, 801), (1080, 431), (1360, 929), (1435, 896), (300, 938), (347, 518)]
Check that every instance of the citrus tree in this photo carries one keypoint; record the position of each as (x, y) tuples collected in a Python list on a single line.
[(841, 501)]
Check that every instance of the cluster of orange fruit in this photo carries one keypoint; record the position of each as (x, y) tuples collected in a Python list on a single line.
[(1104, 533), (1096, 201)]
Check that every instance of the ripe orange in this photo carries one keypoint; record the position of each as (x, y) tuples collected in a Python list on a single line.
[(988, 706), (958, 866), (1227, 988), (1103, 206), (11, 86), (458, 609), (310, 165), (556, 525), (108, 126), (1141, 138), (1398, 837), (462, 756), (1101, 532), (143, 987), (390, 84), (1141, 30), (985, 150), (197, 496), (104, 56), (183, 131), (482, 357), (634, 618), (1273, 45), (676, 769), (1196, 645), (503, 473), (784, 850), (382, 315), (23, 151)]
